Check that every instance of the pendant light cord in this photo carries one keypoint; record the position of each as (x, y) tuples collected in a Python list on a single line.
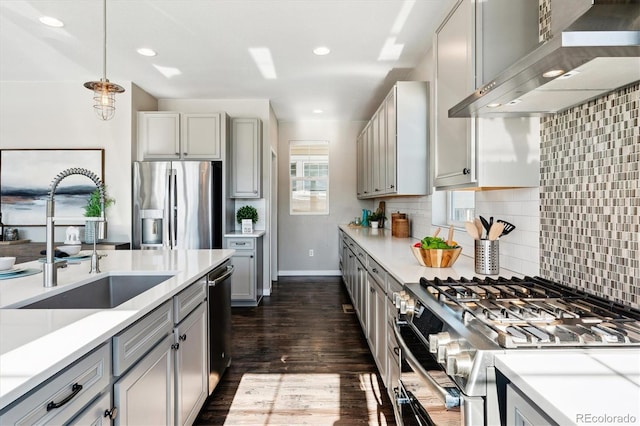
[(104, 40)]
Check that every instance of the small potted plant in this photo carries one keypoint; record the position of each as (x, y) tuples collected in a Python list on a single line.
[(246, 217), (376, 219), (94, 209)]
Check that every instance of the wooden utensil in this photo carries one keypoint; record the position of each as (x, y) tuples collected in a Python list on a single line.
[(478, 224), (495, 231), (450, 236), (437, 231), (472, 230)]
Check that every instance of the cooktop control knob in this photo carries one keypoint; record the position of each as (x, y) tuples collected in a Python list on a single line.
[(459, 364), (448, 350), (405, 302), (399, 296), (438, 339)]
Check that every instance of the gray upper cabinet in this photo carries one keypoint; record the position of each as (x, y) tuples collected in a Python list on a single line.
[(393, 148), (246, 159), (482, 152), (180, 136)]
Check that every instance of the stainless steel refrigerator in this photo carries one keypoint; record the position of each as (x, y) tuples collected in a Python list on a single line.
[(177, 204)]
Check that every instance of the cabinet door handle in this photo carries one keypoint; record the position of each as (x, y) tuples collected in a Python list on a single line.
[(175, 346), (112, 414), (183, 337), (374, 270), (396, 351), (466, 171), (75, 390)]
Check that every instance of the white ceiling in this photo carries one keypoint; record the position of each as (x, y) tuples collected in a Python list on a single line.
[(203, 48)]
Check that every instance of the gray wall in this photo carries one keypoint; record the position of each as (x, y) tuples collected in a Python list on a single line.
[(299, 233)]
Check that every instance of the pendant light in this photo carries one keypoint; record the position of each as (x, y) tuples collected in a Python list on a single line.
[(103, 90)]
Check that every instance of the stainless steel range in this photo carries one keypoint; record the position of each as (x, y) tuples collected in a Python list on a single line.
[(454, 328)]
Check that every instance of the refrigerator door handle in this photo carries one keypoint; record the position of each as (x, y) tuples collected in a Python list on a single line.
[(173, 225), (169, 208)]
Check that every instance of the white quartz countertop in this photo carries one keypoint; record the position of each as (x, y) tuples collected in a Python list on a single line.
[(395, 255), (589, 386), (36, 343)]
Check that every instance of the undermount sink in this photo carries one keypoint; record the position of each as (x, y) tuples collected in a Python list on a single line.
[(103, 293)]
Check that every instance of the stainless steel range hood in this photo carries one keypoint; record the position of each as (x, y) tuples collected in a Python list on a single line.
[(597, 53)]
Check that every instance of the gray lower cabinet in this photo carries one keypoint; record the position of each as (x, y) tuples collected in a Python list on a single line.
[(145, 394), (191, 376), (371, 289), (63, 397), (99, 413), (246, 281), (169, 384)]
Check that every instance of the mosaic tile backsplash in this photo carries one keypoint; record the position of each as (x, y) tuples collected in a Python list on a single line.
[(590, 197)]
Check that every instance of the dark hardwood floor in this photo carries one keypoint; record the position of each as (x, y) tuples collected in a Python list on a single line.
[(299, 359)]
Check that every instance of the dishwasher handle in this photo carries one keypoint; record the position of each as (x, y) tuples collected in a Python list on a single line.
[(218, 279)]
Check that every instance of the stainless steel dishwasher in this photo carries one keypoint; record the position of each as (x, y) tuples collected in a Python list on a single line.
[(219, 306)]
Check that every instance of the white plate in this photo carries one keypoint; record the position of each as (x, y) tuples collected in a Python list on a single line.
[(13, 270)]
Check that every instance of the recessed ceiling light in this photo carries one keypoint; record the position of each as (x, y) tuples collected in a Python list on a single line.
[(569, 74), (144, 51), (51, 22), (514, 102), (494, 105), (318, 111), (553, 73), (321, 50)]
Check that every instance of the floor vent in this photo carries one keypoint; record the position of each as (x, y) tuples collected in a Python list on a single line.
[(347, 308)]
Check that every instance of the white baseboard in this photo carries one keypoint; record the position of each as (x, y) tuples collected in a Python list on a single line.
[(307, 273)]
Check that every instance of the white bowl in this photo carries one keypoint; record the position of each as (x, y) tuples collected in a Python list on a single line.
[(6, 263), (70, 250)]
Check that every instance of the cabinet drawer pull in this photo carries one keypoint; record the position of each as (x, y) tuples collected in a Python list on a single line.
[(112, 414), (183, 337), (75, 389), (466, 171), (240, 244), (375, 270)]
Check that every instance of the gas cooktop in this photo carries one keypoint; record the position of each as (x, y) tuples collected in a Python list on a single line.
[(534, 312)]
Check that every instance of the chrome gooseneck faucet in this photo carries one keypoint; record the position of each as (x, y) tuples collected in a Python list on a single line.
[(50, 267)]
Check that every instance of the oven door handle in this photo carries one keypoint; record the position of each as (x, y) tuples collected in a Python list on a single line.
[(449, 396)]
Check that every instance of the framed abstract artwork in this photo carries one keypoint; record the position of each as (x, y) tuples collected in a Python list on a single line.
[(26, 176)]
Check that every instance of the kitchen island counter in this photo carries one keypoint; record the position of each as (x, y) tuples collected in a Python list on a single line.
[(36, 343), (583, 386)]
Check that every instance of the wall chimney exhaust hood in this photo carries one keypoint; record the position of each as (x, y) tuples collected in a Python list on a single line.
[(597, 53)]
